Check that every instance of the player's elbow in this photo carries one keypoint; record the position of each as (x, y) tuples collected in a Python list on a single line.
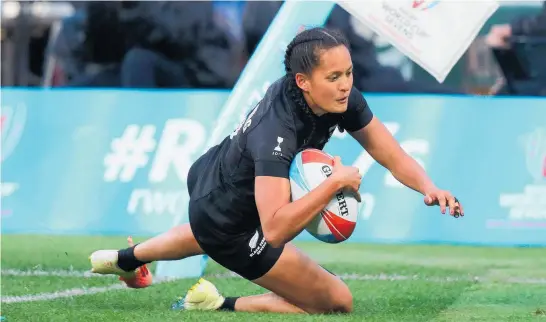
[(274, 237)]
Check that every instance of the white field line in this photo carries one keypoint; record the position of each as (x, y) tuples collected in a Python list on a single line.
[(443, 279), (55, 273), (95, 290), (61, 294), (70, 292)]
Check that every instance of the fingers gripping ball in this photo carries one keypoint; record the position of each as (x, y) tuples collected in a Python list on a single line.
[(337, 221)]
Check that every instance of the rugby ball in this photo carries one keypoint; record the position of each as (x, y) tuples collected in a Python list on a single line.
[(336, 222)]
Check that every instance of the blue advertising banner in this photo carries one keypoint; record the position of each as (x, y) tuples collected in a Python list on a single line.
[(75, 160), (115, 162)]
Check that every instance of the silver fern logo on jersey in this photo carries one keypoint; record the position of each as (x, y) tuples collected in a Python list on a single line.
[(254, 241), (255, 248)]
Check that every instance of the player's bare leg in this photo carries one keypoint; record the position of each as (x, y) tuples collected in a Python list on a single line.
[(298, 284), (204, 296), (268, 302), (130, 263), (302, 282), (177, 243)]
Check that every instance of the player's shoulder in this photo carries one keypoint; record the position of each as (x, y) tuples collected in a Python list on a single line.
[(277, 97), (356, 96), (357, 101), (275, 107)]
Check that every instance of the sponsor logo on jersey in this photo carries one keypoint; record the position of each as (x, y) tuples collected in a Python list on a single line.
[(277, 150), (341, 203)]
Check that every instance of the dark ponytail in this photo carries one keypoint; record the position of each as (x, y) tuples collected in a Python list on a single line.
[(302, 56)]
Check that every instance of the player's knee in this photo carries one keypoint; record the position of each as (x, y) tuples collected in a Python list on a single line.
[(339, 300), (342, 300)]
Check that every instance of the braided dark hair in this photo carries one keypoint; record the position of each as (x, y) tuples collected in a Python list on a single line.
[(302, 56)]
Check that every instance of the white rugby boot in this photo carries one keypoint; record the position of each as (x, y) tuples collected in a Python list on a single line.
[(203, 296), (106, 262)]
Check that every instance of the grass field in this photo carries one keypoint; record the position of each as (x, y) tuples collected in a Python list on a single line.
[(41, 274)]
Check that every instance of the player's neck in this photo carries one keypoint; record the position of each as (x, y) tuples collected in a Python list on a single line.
[(312, 105)]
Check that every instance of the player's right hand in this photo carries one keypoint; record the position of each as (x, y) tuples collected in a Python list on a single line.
[(348, 177)]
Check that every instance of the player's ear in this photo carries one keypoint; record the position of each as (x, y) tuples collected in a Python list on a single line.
[(302, 81)]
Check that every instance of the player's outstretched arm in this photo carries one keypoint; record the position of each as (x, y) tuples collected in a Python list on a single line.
[(283, 220), (384, 148)]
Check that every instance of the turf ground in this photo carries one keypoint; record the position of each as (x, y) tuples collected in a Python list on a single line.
[(44, 279)]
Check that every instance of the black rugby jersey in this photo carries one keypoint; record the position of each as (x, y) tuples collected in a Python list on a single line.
[(264, 144)]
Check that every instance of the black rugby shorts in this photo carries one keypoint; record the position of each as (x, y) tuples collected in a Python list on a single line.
[(246, 253)]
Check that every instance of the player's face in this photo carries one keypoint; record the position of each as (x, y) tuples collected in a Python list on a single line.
[(328, 87)]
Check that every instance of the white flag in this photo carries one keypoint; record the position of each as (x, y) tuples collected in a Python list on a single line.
[(434, 34)]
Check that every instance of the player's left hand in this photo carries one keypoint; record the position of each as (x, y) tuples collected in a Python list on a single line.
[(444, 199)]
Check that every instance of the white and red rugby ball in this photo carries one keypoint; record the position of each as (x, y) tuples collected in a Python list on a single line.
[(337, 221)]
